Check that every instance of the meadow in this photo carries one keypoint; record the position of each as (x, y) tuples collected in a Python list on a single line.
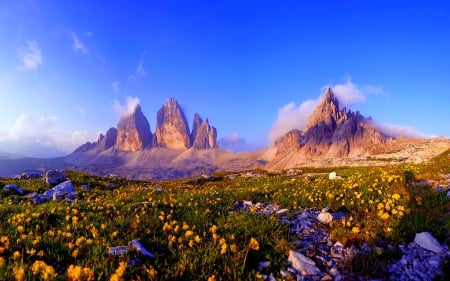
[(195, 232)]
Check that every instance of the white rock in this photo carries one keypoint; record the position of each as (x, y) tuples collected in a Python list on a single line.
[(14, 187), (118, 251), (282, 211), (247, 204), (140, 248), (53, 177), (325, 217), (64, 187), (332, 176), (427, 241), (302, 264)]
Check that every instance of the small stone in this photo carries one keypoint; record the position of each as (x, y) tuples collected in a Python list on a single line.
[(332, 176), (302, 264), (327, 277), (427, 241), (247, 204), (85, 187), (117, 251), (140, 248), (333, 271), (325, 217), (282, 211), (263, 264)]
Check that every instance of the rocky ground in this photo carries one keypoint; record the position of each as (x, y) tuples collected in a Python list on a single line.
[(318, 258)]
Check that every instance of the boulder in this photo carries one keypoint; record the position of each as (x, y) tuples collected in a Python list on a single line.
[(427, 241), (14, 188), (54, 177), (63, 190), (303, 264)]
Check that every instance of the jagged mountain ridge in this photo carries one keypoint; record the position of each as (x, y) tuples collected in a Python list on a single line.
[(172, 131), (332, 137), (330, 133)]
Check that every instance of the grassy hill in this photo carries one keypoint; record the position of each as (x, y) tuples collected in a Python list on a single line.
[(196, 232)]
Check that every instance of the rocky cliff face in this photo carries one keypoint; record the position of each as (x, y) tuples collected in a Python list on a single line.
[(107, 141), (332, 133), (172, 130), (133, 132), (203, 136)]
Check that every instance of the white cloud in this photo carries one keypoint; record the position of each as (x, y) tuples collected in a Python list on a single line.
[(31, 57), (78, 45), (116, 87), (291, 116), (40, 137), (140, 71), (128, 108), (350, 93), (397, 130), (234, 142)]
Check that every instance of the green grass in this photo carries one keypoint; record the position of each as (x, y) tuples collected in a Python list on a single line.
[(195, 232)]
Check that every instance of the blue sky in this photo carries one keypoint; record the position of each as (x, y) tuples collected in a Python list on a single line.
[(253, 68)]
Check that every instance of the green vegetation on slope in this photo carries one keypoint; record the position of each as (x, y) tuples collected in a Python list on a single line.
[(195, 231)]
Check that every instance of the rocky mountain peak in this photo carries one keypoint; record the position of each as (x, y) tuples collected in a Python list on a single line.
[(331, 132), (172, 130), (326, 112), (203, 135), (133, 132)]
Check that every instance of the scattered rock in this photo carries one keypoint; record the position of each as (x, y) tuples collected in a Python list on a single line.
[(325, 217), (54, 177), (30, 175), (85, 187), (302, 264), (14, 188), (417, 263), (133, 245), (332, 176), (118, 250), (63, 190), (427, 241), (140, 248)]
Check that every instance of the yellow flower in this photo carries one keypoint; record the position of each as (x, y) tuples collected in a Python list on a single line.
[(212, 278), (119, 271), (253, 245), (197, 239), (19, 273), (21, 229), (355, 229), (233, 248), (75, 253), (380, 206), (77, 273), (191, 243), (396, 196), (152, 273), (16, 255), (31, 252), (223, 249), (2, 261), (213, 229), (189, 233)]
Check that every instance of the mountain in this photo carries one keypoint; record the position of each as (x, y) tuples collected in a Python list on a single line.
[(332, 137), (172, 130), (203, 135), (133, 132), (330, 133)]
